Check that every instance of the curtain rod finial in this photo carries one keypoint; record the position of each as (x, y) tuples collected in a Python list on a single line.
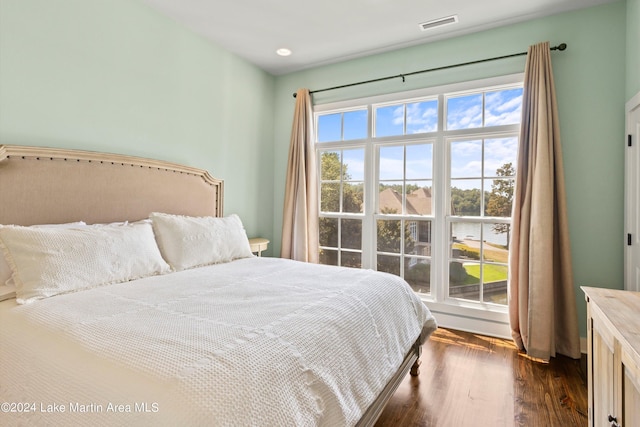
[(295, 95), (562, 46)]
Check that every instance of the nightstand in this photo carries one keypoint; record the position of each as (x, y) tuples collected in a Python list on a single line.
[(258, 244)]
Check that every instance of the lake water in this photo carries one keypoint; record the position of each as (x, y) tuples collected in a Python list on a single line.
[(471, 231)]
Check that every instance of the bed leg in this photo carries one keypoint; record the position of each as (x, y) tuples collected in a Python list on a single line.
[(415, 369)]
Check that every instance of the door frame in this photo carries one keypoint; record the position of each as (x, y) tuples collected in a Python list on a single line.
[(632, 197)]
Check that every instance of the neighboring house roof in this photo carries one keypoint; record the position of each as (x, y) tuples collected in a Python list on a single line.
[(418, 201)]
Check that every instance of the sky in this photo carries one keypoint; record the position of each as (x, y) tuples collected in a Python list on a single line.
[(467, 157)]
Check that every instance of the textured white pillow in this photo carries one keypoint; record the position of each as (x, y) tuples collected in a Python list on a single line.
[(5, 270), (187, 241), (7, 291), (51, 261)]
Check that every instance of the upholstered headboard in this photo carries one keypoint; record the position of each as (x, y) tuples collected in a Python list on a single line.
[(47, 185)]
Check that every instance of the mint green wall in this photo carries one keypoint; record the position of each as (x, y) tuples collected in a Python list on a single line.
[(590, 82), (633, 48), (116, 76)]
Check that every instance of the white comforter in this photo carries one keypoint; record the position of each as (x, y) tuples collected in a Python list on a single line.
[(257, 341)]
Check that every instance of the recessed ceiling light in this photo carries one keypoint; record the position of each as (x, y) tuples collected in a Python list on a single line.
[(438, 22), (283, 51)]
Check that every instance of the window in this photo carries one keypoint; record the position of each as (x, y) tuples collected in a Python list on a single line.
[(405, 206), (420, 185), (341, 204), (481, 188)]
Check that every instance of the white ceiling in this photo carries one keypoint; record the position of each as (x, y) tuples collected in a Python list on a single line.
[(326, 31)]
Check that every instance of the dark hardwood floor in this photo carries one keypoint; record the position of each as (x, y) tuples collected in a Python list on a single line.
[(472, 380)]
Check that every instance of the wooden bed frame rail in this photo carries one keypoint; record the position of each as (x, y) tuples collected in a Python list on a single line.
[(410, 364)]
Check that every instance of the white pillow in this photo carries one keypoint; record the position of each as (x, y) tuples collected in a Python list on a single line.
[(51, 261), (187, 241), (5, 270), (7, 291)]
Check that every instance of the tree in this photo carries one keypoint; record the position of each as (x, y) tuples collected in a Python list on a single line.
[(465, 202), (332, 169), (390, 236), (501, 198)]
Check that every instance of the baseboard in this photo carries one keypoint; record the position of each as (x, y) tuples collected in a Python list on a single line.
[(475, 326), (484, 327)]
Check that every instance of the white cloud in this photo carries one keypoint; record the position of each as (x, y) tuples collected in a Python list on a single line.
[(354, 162), (417, 169), (390, 168), (398, 115), (421, 119), (466, 148), (497, 152), (465, 118), (468, 169), (503, 108), (507, 118), (466, 184)]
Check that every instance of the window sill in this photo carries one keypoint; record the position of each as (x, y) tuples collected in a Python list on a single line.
[(487, 319)]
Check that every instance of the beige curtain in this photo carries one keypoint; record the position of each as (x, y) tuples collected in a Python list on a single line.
[(300, 219), (542, 302)]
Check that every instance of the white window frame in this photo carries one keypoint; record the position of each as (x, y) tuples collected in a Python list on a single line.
[(487, 318)]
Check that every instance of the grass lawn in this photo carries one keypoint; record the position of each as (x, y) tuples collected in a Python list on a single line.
[(492, 273), (491, 253)]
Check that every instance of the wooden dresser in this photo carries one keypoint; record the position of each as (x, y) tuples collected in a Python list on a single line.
[(613, 336)]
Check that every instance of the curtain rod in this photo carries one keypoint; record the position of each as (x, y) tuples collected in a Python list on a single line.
[(561, 46)]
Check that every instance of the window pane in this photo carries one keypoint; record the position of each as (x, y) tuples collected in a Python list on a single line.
[(419, 161), (353, 164), (390, 198), (355, 124), (389, 120), (410, 236), (389, 236), (464, 112), (422, 117), (353, 195), (328, 232), (389, 264), (494, 279), (351, 259), (503, 107), (466, 197), (466, 159), (330, 197), (351, 234), (464, 280), (496, 242), (500, 156), (328, 257), (330, 127), (417, 272), (391, 162), (330, 166), (465, 240), (499, 197), (418, 240), (419, 199)]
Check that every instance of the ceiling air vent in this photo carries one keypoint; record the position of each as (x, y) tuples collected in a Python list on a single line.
[(438, 22)]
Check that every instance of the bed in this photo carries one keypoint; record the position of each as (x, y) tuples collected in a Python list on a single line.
[(154, 330)]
